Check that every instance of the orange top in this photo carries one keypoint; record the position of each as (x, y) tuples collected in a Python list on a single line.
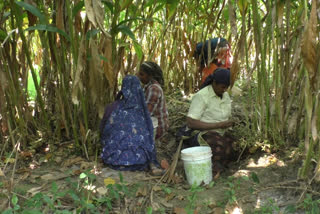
[(207, 71)]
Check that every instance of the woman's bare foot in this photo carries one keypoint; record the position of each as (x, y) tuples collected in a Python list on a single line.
[(156, 171)]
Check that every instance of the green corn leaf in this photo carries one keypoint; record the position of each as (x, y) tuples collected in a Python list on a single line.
[(172, 6), (149, 3), (138, 49), (255, 178), (126, 30), (91, 33), (103, 58), (50, 29), (3, 35), (109, 5), (78, 7), (35, 11)]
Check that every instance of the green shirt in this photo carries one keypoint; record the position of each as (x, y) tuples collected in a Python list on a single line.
[(207, 107)]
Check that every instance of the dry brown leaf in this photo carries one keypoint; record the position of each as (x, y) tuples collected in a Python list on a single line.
[(107, 66), (81, 63), (142, 191), (177, 179), (179, 210), (95, 13), (24, 176), (95, 74), (77, 172), (140, 201), (48, 177), (232, 18), (157, 188), (102, 190), (35, 190), (314, 130), (26, 154), (292, 122), (86, 165), (72, 161), (52, 177), (58, 159), (165, 203), (1, 173), (280, 8), (82, 130), (77, 20), (170, 196), (60, 14), (309, 44), (90, 12), (218, 210), (180, 197), (99, 13), (235, 68), (155, 206)]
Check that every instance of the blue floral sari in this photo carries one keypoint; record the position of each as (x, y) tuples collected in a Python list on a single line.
[(127, 133)]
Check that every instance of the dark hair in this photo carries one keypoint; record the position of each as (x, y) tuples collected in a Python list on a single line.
[(154, 70), (220, 76), (202, 49)]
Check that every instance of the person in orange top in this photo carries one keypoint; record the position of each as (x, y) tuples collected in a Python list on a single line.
[(214, 53)]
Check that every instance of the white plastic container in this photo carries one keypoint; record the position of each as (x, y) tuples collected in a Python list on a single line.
[(197, 164)]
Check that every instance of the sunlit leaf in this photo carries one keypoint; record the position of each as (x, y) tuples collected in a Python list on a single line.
[(108, 181), (83, 175), (14, 199), (125, 4), (10, 160), (242, 4), (138, 49), (149, 210), (49, 28), (35, 11)]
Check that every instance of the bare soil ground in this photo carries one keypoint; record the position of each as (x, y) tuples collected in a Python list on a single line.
[(259, 182)]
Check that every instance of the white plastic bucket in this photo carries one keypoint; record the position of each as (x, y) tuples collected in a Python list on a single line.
[(197, 164)]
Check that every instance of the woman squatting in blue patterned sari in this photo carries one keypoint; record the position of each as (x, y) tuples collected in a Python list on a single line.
[(127, 131)]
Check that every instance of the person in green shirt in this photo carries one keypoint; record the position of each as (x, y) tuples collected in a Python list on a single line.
[(208, 118)]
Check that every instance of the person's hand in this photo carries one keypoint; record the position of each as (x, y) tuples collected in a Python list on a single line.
[(227, 123)]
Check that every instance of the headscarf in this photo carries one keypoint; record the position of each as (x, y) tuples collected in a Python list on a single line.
[(220, 76), (127, 137), (153, 70)]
